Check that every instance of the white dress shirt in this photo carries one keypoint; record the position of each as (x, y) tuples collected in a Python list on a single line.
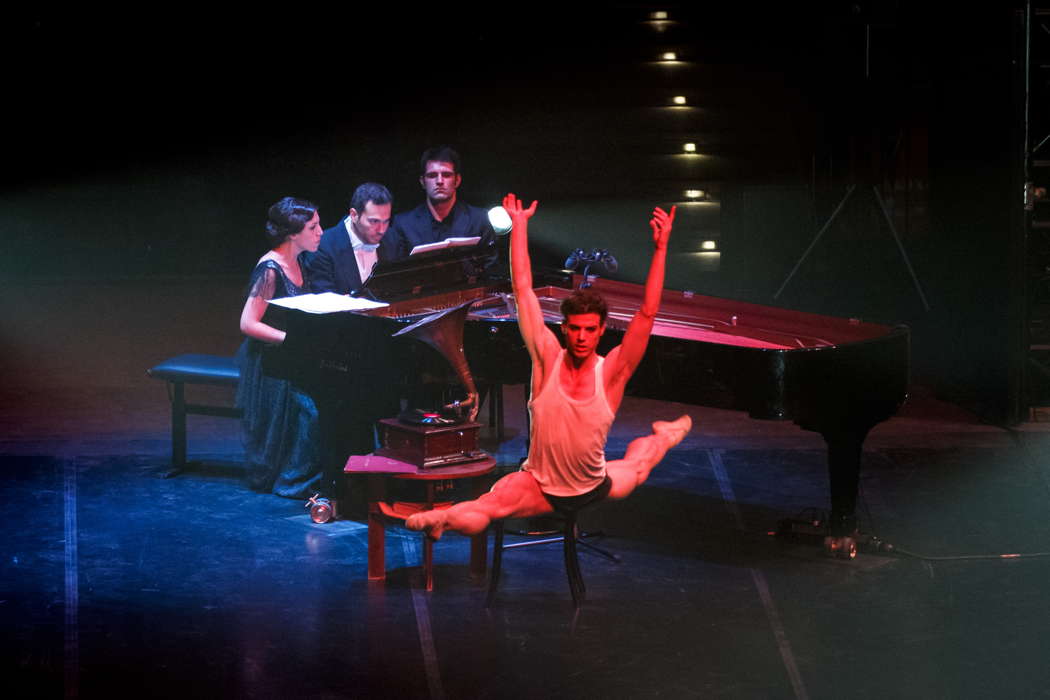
[(365, 253)]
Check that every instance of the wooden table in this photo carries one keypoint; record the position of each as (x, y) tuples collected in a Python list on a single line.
[(378, 469)]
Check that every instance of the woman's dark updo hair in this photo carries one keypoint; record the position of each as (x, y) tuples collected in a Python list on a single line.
[(286, 218)]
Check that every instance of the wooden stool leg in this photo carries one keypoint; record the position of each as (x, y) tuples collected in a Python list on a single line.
[(376, 530)]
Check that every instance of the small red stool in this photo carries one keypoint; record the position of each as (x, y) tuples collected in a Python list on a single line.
[(378, 469)]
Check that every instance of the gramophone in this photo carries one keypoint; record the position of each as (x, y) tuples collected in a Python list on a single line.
[(449, 435)]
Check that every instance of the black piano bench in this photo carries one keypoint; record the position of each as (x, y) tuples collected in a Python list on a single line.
[(193, 369)]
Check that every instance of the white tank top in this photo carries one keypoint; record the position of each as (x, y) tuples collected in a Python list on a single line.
[(567, 436)]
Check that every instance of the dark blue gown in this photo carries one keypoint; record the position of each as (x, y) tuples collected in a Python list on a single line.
[(280, 424)]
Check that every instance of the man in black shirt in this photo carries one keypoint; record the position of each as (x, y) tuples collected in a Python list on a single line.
[(442, 215)]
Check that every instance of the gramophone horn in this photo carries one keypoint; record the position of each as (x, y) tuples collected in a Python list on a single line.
[(443, 331)]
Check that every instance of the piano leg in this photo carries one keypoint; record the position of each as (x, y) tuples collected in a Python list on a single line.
[(845, 444)]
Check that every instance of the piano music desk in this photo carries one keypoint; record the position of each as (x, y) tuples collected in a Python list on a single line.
[(378, 469)]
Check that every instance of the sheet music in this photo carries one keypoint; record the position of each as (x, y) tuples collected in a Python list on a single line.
[(327, 302), (447, 243)]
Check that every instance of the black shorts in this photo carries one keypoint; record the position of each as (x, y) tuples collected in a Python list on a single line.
[(574, 504)]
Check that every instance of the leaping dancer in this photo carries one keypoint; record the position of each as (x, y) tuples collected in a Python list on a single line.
[(575, 395)]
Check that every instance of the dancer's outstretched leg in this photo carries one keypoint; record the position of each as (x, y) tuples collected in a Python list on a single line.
[(516, 495), (643, 454)]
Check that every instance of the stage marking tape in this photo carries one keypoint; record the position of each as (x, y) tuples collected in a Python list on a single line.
[(71, 666), (426, 636), (786, 655)]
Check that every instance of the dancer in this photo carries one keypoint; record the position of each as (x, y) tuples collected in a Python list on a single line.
[(575, 395)]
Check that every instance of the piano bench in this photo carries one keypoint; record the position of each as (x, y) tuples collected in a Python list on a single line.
[(181, 370)]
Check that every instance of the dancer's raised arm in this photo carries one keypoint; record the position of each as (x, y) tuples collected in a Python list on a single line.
[(538, 338), (628, 355)]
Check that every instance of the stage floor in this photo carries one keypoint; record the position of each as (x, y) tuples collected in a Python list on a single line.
[(117, 581)]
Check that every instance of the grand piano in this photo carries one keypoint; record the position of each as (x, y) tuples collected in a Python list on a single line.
[(835, 376)]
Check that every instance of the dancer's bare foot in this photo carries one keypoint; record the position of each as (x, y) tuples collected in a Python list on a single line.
[(673, 432), (431, 522)]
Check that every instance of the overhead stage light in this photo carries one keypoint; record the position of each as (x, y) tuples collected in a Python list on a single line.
[(668, 56), (689, 147), (678, 99), (658, 15), (694, 194)]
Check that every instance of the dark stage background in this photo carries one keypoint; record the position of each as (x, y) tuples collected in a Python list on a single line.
[(147, 145)]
